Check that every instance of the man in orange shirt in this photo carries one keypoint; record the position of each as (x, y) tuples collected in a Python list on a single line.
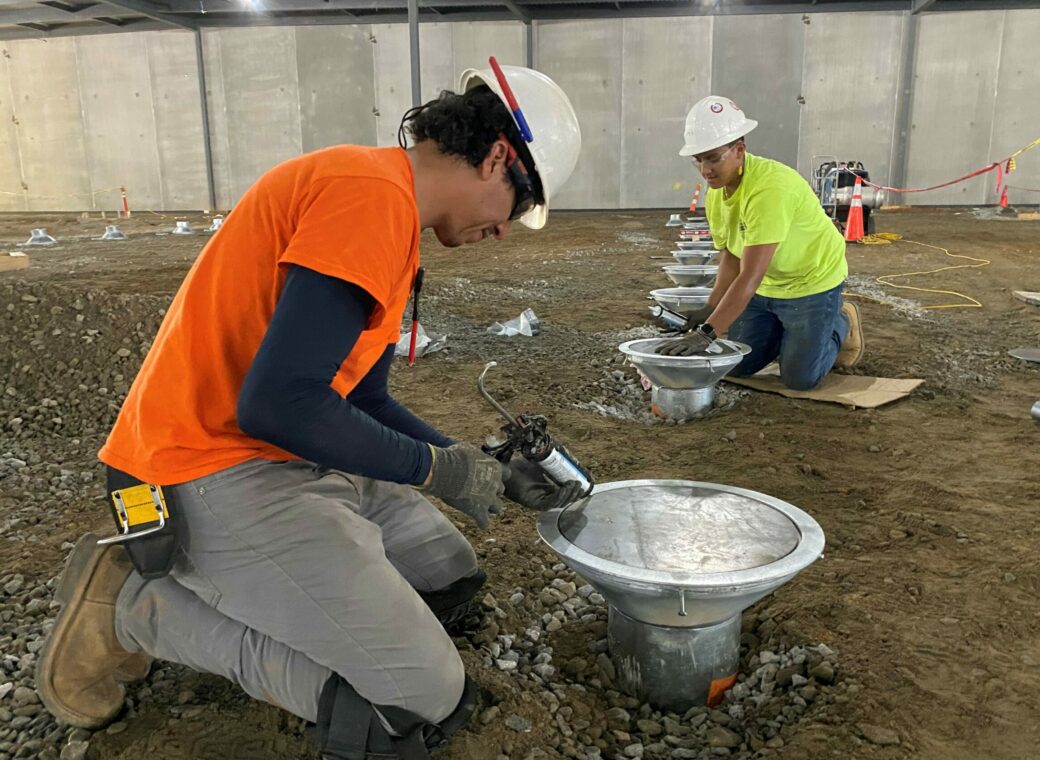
[(297, 558)]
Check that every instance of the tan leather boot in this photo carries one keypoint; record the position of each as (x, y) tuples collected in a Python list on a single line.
[(75, 676), (851, 350), (136, 667)]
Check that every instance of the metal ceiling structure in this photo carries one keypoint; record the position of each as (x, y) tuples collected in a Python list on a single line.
[(22, 19)]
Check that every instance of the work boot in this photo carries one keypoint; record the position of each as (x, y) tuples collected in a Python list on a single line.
[(76, 673), (851, 350), (136, 667)]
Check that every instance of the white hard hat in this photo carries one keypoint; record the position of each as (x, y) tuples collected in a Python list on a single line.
[(714, 121), (553, 125)]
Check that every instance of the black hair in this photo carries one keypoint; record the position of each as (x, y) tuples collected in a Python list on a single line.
[(462, 125)]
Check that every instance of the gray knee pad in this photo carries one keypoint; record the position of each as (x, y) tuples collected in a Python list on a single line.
[(452, 603), (350, 727)]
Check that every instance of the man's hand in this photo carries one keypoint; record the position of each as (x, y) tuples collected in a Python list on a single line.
[(700, 314), (690, 344), (528, 486), (467, 479)]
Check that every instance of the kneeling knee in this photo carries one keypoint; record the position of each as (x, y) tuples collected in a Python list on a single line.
[(800, 382)]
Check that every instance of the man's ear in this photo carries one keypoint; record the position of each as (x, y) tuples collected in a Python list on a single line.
[(496, 155)]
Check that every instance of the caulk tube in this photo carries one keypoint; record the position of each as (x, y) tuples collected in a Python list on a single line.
[(558, 466), (670, 318)]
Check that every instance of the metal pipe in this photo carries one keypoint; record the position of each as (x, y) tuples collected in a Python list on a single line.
[(207, 144), (413, 46)]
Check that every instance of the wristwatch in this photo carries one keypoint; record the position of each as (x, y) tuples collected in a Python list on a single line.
[(707, 331)]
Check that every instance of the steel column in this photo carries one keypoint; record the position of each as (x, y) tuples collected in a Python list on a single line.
[(904, 107), (207, 145), (413, 46)]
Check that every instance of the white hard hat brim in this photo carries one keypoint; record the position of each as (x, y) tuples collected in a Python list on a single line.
[(693, 150)]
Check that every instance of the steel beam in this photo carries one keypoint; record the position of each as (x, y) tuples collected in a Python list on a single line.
[(148, 11), (515, 9), (920, 6), (43, 14), (77, 30), (213, 21)]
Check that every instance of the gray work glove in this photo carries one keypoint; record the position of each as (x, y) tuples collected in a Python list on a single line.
[(689, 344), (464, 477), (699, 315), (528, 485)]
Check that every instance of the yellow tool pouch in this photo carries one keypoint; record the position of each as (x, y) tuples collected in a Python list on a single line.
[(146, 523)]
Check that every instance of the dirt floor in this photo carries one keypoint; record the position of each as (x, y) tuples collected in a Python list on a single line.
[(928, 590)]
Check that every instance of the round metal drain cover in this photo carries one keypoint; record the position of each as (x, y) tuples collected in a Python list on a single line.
[(680, 528)]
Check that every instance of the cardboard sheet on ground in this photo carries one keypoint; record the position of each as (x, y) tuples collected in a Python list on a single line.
[(856, 391)]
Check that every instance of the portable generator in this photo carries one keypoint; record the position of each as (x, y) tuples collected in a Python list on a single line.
[(834, 181)]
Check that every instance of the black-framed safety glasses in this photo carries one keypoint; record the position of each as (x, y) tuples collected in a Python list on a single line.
[(526, 193)]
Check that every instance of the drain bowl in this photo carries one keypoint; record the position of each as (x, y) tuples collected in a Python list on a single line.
[(694, 257), (691, 275), (683, 301), (677, 562)]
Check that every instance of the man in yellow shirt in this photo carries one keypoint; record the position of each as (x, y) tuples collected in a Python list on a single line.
[(783, 261)]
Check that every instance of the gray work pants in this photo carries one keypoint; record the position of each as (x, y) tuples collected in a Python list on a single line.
[(292, 572)]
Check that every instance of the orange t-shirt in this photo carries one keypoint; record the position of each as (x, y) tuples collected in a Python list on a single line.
[(347, 212)]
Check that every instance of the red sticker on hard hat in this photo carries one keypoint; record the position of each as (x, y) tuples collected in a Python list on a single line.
[(716, 107)]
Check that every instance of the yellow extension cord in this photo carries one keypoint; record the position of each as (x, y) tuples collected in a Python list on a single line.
[(887, 238)]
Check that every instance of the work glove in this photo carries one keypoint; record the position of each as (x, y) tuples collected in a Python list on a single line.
[(700, 314), (528, 485), (691, 343), (464, 477)]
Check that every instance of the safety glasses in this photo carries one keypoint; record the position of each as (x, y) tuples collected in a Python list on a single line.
[(526, 194), (714, 160)]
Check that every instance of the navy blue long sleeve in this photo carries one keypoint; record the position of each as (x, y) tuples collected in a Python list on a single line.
[(372, 396), (287, 400)]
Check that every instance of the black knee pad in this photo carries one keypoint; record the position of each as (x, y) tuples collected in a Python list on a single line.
[(452, 603), (350, 727)]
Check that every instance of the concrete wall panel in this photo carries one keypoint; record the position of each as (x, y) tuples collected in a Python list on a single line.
[(667, 68), (12, 195), (337, 86), (178, 119), (118, 121), (583, 59), (393, 79), (473, 43), (952, 111), (850, 98), (436, 68), (44, 81), (1016, 114), (262, 99), (757, 61)]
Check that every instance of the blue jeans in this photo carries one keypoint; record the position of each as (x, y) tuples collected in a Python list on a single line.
[(804, 333)]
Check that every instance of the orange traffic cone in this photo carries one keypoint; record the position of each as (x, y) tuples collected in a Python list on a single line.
[(1004, 198), (854, 224), (696, 197)]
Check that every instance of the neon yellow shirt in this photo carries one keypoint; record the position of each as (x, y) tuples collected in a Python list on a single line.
[(773, 204)]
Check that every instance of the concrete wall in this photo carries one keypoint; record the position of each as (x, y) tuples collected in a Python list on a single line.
[(81, 116)]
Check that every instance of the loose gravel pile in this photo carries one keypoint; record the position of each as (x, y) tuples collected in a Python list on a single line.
[(67, 358), (780, 681)]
